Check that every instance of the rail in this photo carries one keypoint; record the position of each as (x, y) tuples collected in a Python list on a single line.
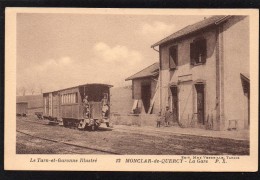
[(66, 143)]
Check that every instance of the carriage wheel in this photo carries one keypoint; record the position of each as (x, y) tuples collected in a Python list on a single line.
[(65, 123), (107, 123), (93, 127)]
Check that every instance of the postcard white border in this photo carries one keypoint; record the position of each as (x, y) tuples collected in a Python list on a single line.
[(13, 161)]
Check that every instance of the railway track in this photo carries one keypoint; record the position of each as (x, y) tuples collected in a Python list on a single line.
[(149, 132), (119, 140), (67, 143), (121, 129), (118, 129)]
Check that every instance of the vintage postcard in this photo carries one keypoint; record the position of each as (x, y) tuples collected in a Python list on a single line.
[(131, 89)]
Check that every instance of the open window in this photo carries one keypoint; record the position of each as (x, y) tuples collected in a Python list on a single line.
[(198, 52), (173, 57)]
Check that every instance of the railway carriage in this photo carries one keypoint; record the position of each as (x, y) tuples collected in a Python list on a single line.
[(21, 108), (68, 106)]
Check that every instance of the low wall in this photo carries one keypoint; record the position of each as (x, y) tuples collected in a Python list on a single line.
[(134, 120)]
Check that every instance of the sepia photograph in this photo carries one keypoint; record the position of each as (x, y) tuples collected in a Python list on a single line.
[(133, 84)]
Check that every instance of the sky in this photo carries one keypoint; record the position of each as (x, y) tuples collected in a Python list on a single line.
[(57, 51)]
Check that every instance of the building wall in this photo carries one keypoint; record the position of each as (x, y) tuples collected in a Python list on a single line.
[(236, 61), (34, 101), (187, 92), (164, 88), (137, 94), (121, 101), (227, 57)]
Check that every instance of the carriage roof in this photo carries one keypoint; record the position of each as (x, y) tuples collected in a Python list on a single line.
[(91, 84)]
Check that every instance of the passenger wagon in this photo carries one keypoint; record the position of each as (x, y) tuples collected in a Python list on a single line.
[(21, 108), (81, 106)]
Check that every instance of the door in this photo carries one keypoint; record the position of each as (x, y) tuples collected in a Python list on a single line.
[(175, 108), (50, 104), (146, 96), (200, 103), (45, 105)]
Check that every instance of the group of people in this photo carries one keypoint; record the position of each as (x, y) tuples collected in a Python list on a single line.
[(165, 117), (105, 106)]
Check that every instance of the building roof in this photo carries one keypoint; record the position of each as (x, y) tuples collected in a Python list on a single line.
[(213, 20), (149, 71)]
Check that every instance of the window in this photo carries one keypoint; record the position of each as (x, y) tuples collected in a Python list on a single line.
[(76, 97), (173, 57), (198, 52), (69, 98)]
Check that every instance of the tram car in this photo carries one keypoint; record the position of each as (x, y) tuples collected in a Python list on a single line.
[(21, 108), (82, 106)]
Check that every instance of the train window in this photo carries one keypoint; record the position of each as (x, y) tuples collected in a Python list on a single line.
[(65, 98), (69, 98), (76, 97)]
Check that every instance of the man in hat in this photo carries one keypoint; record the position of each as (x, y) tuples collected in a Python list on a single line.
[(86, 106), (105, 106)]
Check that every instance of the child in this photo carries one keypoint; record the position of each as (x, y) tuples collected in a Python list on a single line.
[(167, 116), (159, 120)]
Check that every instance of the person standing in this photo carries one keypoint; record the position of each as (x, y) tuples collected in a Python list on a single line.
[(86, 106), (167, 116), (105, 106), (159, 119)]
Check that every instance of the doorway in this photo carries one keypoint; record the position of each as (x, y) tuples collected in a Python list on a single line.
[(175, 106), (200, 103), (146, 96)]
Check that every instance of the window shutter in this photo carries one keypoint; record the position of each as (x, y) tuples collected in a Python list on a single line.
[(172, 57), (172, 63), (192, 53), (204, 50), (176, 56)]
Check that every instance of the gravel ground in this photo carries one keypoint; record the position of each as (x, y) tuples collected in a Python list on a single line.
[(118, 140)]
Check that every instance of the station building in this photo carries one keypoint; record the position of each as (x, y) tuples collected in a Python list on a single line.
[(204, 73)]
